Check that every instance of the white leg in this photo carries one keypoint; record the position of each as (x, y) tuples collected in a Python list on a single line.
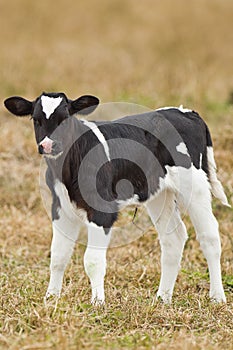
[(172, 235), (95, 261), (65, 234), (206, 227)]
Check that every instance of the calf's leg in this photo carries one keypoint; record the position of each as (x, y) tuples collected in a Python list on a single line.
[(65, 234), (172, 236), (206, 227), (95, 261)]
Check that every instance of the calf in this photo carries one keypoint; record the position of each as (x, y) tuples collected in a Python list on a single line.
[(162, 159)]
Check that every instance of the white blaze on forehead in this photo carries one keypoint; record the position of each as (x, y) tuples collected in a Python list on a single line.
[(182, 148), (99, 136), (49, 104)]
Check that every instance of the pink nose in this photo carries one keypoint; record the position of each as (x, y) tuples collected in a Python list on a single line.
[(47, 144)]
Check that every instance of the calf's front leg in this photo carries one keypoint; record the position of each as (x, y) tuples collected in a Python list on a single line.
[(65, 234), (95, 261)]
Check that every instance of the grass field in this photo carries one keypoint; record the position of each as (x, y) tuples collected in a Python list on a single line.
[(152, 53)]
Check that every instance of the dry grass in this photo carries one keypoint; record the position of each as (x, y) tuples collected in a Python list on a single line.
[(149, 52)]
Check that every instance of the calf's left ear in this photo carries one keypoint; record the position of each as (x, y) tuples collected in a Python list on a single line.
[(18, 106), (83, 105)]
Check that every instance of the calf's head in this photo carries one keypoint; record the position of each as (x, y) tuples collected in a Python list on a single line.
[(48, 111)]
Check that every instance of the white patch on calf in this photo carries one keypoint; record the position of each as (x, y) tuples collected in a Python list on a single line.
[(184, 110), (99, 136), (70, 209), (165, 108), (200, 161), (184, 182), (182, 148), (49, 104), (181, 109)]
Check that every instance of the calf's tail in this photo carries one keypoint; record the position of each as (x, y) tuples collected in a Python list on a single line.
[(216, 186)]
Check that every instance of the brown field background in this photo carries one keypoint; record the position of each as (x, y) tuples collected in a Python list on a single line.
[(152, 53)]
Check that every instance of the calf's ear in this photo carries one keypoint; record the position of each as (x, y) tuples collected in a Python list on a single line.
[(83, 105), (18, 106)]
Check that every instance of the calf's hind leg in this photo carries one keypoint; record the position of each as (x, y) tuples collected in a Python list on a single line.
[(206, 227), (172, 236)]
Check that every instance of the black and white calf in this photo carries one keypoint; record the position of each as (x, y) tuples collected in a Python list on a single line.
[(163, 159)]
